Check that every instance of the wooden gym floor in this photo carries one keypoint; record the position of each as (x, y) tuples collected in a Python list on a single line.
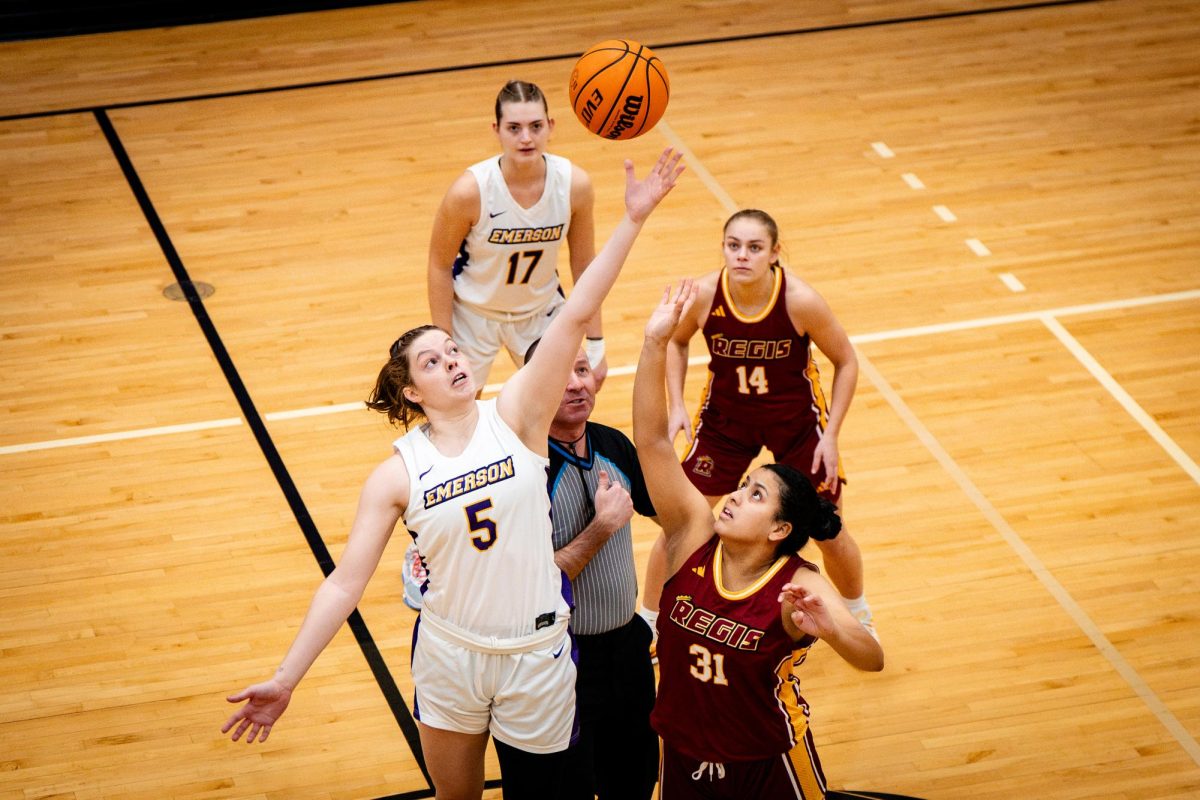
[(998, 200)]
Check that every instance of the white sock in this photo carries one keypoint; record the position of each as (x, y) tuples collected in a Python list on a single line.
[(857, 604)]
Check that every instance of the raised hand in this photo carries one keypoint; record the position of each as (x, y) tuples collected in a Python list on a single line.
[(266, 702), (666, 316), (641, 197)]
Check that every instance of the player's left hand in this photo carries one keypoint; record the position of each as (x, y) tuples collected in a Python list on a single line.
[(809, 612), (826, 454)]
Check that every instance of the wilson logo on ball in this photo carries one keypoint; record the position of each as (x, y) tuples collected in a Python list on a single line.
[(619, 89)]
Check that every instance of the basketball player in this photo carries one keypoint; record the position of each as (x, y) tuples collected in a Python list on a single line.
[(739, 612), (493, 254), (763, 388), (491, 651)]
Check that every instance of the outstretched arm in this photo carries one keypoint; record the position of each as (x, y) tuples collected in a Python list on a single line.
[(530, 398), (581, 240), (683, 513), (379, 508)]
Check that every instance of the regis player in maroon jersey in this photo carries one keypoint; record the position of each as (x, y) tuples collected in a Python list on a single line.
[(763, 388), (739, 612)]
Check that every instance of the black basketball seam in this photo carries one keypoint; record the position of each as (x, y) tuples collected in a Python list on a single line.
[(650, 65), (646, 107), (637, 57)]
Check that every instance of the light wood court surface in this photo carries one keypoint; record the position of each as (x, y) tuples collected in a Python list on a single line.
[(1000, 205)]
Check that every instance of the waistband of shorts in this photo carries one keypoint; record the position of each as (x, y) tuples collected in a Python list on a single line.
[(494, 644), (498, 315)]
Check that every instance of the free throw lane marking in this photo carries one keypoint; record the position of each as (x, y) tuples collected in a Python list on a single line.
[(1010, 280)]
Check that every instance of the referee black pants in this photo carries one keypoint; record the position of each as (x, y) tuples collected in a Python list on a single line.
[(616, 755)]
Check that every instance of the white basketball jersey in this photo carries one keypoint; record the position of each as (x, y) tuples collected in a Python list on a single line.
[(508, 264), (482, 521)]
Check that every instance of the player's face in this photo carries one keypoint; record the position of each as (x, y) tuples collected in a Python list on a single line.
[(749, 513), (579, 398), (748, 249), (439, 371), (523, 130)]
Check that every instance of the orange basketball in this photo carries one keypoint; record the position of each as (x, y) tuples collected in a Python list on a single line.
[(619, 89)]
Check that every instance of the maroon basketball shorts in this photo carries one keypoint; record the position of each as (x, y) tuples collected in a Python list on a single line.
[(723, 449)]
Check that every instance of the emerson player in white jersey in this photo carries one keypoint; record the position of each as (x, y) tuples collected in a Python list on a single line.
[(491, 652), (493, 254)]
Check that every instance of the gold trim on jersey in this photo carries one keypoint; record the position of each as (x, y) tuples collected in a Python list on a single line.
[(696, 419), (761, 315), (719, 582), (802, 757), (812, 373)]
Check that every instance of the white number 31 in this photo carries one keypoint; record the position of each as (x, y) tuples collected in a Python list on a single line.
[(708, 667)]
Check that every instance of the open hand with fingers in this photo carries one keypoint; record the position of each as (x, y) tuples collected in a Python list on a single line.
[(265, 703), (641, 197), (809, 611), (669, 311)]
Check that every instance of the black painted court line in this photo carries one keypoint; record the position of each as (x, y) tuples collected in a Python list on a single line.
[(315, 543), (746, 37)]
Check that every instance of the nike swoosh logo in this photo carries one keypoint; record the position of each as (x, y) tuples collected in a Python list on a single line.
[(560, 650), (493, 216), (423, 474)]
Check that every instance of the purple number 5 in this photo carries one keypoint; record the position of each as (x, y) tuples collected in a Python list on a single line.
[(487, 528)]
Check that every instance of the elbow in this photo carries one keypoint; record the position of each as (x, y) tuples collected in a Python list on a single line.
[(872, 660)]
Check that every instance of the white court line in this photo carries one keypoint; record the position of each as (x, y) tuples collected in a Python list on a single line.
[(1008, 319), (629, 369), (945, 214), (1056, 589), (1137, 412), (1011, 281), (913, 181), (315, 411), (978, 247), (883, 150), (694, 166), (121, 435)]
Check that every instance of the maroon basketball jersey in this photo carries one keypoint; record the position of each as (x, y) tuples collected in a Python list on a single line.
[(759, 364), (726, 690)]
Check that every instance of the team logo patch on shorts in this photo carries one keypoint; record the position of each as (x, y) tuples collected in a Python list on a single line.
[(703, 466)]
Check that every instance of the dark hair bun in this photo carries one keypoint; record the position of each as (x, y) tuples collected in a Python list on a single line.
[(825, 522)]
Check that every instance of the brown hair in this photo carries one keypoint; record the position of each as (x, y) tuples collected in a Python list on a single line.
[(519, 92), (388, 395), (762, 217)]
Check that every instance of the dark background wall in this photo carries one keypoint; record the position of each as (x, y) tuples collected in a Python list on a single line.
[(30, 19)]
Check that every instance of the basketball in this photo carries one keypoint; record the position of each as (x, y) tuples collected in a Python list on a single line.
[(619, 89)]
